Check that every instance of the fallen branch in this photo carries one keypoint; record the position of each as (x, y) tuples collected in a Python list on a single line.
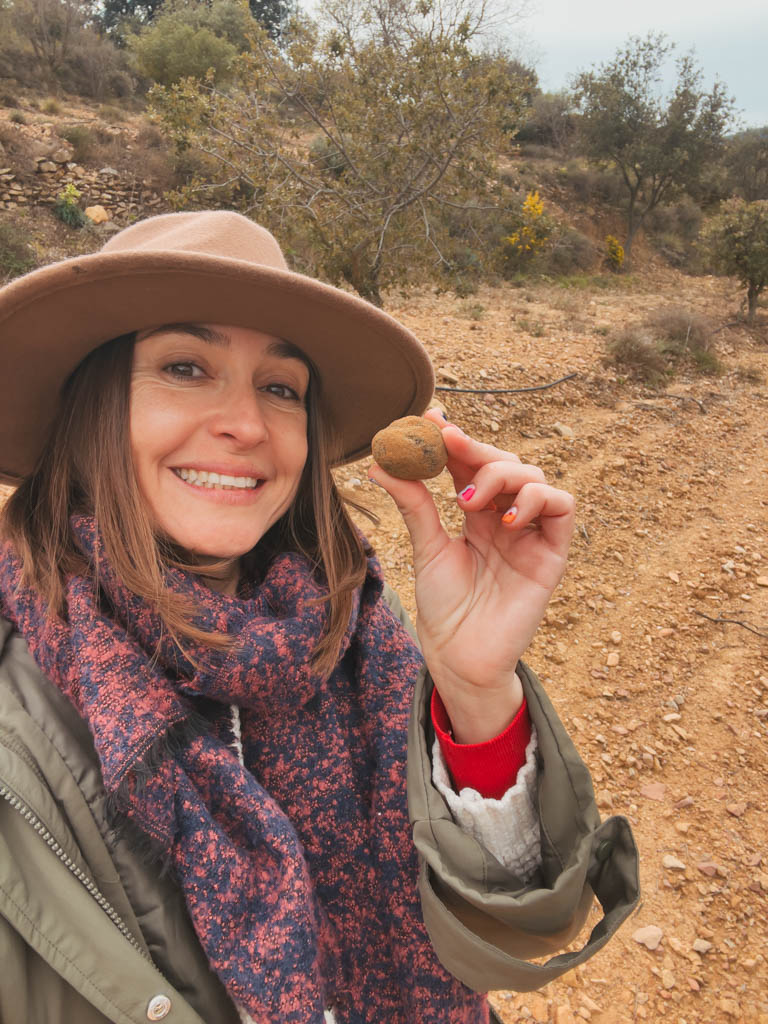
[(645, 404), (685, 398), (505, 391), (735, 622)]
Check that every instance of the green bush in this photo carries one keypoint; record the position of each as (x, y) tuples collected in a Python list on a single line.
[(81, 138), (18, 117), (187, 40), (738, 243), (67, 207), (570, 252)]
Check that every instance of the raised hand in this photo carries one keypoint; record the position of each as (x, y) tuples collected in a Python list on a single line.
[(481, 596)]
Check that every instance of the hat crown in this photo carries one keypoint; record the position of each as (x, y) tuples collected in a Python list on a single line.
[(221, 233)]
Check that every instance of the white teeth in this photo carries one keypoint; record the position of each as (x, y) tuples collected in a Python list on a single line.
[(216, 481)]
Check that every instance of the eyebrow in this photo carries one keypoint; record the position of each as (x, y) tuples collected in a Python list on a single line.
[(279, 348)]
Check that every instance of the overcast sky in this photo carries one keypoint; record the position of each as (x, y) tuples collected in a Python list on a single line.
[(730, 40)]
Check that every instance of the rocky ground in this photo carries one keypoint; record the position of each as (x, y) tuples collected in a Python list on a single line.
[(668, 706)]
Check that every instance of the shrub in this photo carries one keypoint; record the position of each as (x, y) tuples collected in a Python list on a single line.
[(327, 156), (684, 336), (169, 50), (633, 350), (18, 117), (16, 255), (614, 254), (81, 138), (738, 242), (528, 240), (50, 106), (570, 251), (67, 207)]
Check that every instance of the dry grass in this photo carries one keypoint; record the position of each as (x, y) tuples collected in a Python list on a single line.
[(634, 351)]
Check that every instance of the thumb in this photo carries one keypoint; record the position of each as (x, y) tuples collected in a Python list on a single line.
[(416, 506)]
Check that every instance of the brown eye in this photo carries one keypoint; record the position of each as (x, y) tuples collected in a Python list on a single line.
[(187, 370)]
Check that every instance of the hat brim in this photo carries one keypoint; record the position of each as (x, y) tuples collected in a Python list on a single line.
[(372, 368)]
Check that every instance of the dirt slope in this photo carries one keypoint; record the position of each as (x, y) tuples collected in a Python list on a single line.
[(668, 708)]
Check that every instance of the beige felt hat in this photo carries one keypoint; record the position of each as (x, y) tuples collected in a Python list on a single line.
[(205, 267)]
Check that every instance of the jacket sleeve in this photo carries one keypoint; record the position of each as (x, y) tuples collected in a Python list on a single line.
[(485, 923)]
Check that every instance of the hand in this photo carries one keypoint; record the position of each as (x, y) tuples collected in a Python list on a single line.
[(481, 596)]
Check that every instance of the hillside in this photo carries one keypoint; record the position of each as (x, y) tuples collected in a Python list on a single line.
[(668, 706)]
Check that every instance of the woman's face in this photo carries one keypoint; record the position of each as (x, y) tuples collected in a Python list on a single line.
[(218, 427)]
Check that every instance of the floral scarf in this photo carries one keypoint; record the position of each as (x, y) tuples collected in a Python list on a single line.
[(297, 868)]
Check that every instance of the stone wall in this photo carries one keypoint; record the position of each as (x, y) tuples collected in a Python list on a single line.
[(123, 199)]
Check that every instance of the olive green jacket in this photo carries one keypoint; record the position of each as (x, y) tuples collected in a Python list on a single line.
[(90, 933)]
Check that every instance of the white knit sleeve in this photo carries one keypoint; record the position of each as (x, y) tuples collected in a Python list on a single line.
[(508, 828)]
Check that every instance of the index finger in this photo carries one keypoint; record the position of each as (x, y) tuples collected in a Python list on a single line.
[(465, 454)]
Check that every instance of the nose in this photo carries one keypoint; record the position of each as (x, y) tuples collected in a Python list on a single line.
[(239, 417)]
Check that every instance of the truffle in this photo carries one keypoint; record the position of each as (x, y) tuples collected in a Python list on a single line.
[(410, 448)]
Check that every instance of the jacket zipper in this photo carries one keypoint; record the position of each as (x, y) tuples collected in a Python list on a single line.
[(90, 886)]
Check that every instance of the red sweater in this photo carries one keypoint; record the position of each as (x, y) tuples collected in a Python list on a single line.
[(490, 768)]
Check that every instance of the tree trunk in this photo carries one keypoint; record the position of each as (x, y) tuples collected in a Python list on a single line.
[(753, 293)]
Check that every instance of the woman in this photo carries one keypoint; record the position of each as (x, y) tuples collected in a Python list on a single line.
[(205, 684)]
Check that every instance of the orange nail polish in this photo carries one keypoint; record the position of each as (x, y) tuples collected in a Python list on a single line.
[(510, 516)]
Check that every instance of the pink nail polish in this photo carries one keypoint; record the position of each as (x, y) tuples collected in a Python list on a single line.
[(510, 515), (468, 492)]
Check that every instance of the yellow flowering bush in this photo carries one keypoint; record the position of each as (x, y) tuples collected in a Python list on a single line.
[(614, 253), (531, 236)]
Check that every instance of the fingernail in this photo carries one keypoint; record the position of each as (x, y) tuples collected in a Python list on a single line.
[(372, 481), (440, 411), (510, 515), (468, 492)]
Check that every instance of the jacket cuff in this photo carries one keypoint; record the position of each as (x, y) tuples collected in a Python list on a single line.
[(489, 768)]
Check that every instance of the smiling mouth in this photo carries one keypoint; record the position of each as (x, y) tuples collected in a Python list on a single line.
[(217, 481)]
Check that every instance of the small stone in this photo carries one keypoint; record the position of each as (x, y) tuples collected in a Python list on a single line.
[(730, 1007), (710, 869), (47, 166), (701, 946), (693, 985), (447, 376), (538, 1007), (612, 660), (411, 448), (615, 637), (62, 156), (736, 809), (590, 1004), (762, 581), (668, 979), (109, 172), (673, 576), (653, 790), (563, 430), (650, 936), (604, 800), (564, 1015), (672, 863)]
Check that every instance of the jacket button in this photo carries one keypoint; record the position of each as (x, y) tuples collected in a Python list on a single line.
[(159, 1007), (604, 849)]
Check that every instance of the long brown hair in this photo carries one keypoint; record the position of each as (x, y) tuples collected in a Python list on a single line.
[(87, 467)]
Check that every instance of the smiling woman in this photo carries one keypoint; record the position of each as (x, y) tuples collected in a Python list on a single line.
[(206, 686), (218, 436)]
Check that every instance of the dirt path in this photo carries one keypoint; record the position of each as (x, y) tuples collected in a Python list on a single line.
[(668, 708)]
